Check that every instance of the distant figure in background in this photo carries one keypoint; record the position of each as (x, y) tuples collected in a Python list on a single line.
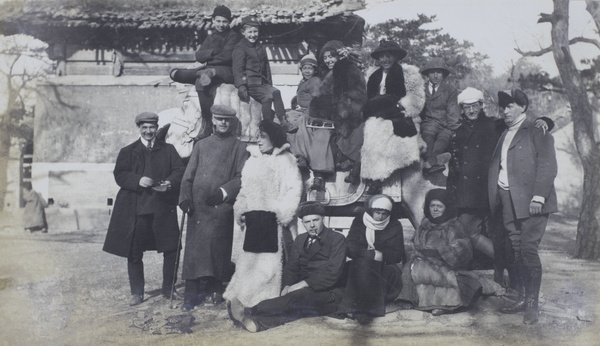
[(144, 218), (34, 217)]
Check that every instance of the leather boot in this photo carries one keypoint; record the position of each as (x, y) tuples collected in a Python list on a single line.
[(520, 280), (532, 294)]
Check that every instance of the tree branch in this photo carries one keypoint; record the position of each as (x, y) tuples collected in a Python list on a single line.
[(549, 49)]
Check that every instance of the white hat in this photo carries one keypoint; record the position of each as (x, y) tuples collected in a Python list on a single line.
[(470, 95), (381, 202)]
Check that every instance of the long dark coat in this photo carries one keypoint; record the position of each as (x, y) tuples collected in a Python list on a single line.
[(472, 147), (250, 64), (394, 83), (166, 165), (368, 283), (216, 162)]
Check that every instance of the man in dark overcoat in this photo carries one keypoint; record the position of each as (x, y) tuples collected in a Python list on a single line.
[(210, 185), (145, 213), (521, 191), (312, 277)]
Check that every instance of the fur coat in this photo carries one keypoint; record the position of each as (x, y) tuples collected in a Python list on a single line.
[(269, 183), (383, 152), (343, 95)]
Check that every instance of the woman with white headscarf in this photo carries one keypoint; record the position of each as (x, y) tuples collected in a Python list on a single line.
[(375, 244)]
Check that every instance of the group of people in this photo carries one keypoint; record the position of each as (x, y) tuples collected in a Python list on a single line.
[(244, 201)]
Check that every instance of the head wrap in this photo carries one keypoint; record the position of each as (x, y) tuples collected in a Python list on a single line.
[(470, 95), (447, 199)]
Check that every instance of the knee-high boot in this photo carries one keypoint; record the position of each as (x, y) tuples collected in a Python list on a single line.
[(520, 279), (532, 294)]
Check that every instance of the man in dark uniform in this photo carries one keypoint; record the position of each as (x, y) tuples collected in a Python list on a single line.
[(144, 217), (521, 192), (312, 277)]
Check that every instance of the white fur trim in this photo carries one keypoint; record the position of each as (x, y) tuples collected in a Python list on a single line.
[(383, 152), (414, 101)]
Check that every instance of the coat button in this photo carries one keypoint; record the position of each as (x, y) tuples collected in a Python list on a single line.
[(465, 177)]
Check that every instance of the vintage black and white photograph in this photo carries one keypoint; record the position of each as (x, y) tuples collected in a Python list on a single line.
[(274, 172)]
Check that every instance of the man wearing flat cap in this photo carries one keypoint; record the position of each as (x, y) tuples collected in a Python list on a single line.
[(521, 192), (312, 277), (209, 187), (214, 64), (439, 116), (144, 217)]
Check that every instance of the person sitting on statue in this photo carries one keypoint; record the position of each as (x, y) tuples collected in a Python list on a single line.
[(396, 97), (252, 74), (439, 117), (341, 99), (213, 67)]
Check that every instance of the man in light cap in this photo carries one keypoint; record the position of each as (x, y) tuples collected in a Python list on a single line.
[(521, 192), (312, 277), (145, 213), (210, 185), (213, 66)]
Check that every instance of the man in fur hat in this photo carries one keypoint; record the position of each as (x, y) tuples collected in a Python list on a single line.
[(214, 64), (312, 277), (145, 216), (439, 116), (521, 192)]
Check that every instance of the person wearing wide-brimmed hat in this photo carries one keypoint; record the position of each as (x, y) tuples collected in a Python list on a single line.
[(209, 188), (148, 172), (440, 115), (214, 64), (396, 98), (521, 192)]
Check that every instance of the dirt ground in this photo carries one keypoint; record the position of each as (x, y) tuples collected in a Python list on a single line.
[(61, 289)]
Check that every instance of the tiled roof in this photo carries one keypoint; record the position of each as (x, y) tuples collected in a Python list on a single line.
[(45, 20)]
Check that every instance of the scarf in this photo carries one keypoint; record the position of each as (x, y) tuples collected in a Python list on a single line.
[(373, 226), (516, 122)]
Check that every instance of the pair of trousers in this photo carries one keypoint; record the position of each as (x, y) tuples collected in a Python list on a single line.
[(523, 234), (142, 235), (268, 95), (295, 305), (437, 139)]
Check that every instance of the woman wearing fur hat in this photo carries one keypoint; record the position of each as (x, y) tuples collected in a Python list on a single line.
[(435, 278), (375, 244), (343, 95), (264, 210), (396, 98)]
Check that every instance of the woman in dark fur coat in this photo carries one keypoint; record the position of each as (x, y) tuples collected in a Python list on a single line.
[(342, 98)]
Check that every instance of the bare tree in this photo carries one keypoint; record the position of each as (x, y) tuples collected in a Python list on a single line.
[(23, 62), (588, 228)]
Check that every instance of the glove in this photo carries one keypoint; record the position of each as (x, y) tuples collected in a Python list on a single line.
[(216, 198), (243, 93), (187, 207), (404, 127)]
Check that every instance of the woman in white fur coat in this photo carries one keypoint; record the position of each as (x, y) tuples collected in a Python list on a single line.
[(264, 210), (396, 98)]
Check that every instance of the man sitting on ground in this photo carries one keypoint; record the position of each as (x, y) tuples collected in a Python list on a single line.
[(312, 277)]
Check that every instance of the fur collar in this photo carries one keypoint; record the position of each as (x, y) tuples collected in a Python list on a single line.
[(255, 152)]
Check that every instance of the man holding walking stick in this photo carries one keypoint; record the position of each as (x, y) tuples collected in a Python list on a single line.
[(144, 217)]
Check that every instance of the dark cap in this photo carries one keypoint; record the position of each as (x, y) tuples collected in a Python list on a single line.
[(514, 96), (251, 21), (310, 208), (221, 111), (435, 64), (389, 47), (222, 11), (146, 117)]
